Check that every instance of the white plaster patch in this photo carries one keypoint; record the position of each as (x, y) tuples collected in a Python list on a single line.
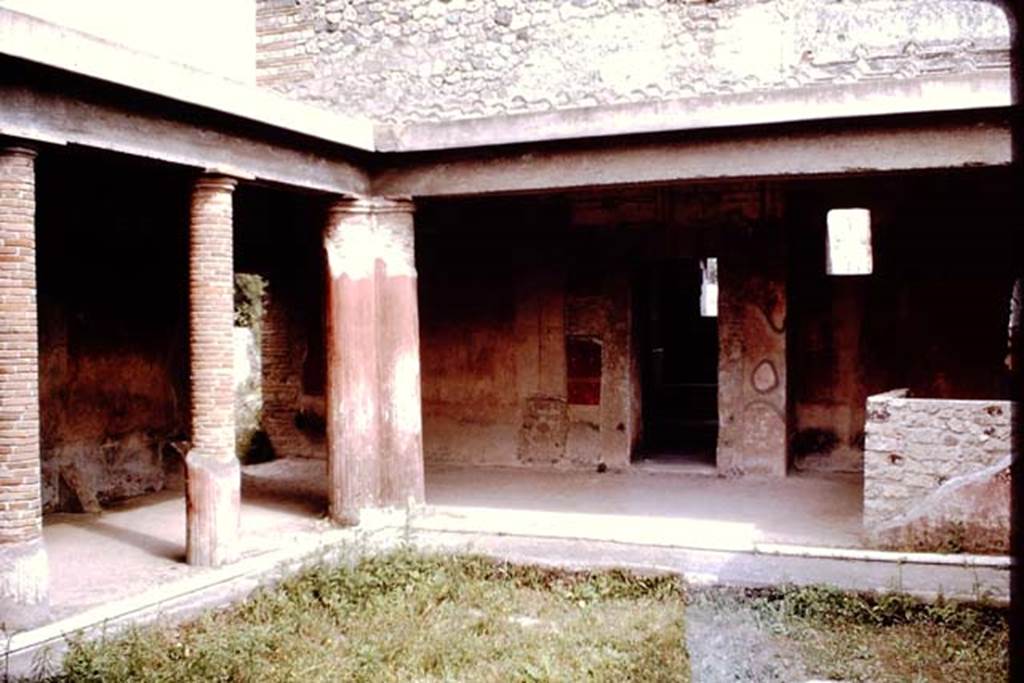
[(406, 411), (24, 573), (752, 44), (364, 413), (396, 245), (638, 58), (351, 245)]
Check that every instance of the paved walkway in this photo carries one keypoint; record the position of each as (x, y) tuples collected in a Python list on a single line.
[(657, 507), (133, 547)]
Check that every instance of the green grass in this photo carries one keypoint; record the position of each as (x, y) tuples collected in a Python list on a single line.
[(412, 617), (407, 617)]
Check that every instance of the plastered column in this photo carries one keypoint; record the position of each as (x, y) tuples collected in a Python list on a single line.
[(374, 414), (398, 340), (352, 391), (212, 467), (752, 397), (23, 564)]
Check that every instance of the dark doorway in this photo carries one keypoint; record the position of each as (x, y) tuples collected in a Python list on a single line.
[(679, 365)]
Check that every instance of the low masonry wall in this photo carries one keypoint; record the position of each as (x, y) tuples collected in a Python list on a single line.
[(936, 473)]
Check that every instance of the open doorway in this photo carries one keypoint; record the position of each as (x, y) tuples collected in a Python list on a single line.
[(678, 335)]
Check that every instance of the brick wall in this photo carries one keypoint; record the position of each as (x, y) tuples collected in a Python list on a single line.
[(292, 418), (449, 59), (20, 505), (284, 28)]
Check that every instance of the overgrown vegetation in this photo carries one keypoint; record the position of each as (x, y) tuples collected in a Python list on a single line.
[(249, 290), (410, 617), (852, 637), (406, 617), (252, 444)]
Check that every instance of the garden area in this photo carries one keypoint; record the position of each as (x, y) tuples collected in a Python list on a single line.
[(406, 616)]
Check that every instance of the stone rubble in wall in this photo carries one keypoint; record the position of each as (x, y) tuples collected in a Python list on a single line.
[(437, 59), (914, 447)]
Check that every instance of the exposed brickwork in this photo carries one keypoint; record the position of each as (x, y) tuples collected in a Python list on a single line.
[(20, 504), (213, 470), (283, 347), (451, 59), (211, 318), (283, 30), (915, 446)]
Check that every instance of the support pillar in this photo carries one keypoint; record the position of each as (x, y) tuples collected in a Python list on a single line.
[(374, 423), (213, 472), (23, 564), (398, 340), (752, 397), (353, 422)]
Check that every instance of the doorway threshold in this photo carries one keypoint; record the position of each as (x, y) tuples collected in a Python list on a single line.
[(674, 465)]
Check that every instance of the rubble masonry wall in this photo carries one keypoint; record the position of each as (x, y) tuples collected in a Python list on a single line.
[(452, 59), (922, 459)]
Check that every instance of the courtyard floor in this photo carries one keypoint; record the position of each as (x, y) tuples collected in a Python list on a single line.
[(135, 546), (126, 565)]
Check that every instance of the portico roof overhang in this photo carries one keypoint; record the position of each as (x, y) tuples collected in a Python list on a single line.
[(63, 87)]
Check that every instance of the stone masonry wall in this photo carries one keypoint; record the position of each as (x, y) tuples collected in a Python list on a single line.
[(451, 59), (936, 473)]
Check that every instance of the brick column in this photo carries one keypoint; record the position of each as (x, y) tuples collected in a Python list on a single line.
[(23, 564), (212, 466), (374, 423), (398, 339)]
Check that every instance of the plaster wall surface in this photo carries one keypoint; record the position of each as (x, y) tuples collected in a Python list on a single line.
[(931, 316), (113, 328), (752, 396), (922, 462), (502, 312), (530, 347), (218, 37), (454, 59)]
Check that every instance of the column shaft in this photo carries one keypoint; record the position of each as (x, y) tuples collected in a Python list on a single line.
[(353, 425), (398, 341), (374, 423), (23, 563), (213, 471)]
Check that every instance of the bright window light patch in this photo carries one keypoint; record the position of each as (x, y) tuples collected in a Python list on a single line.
[(849, 242), (709, 287)]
